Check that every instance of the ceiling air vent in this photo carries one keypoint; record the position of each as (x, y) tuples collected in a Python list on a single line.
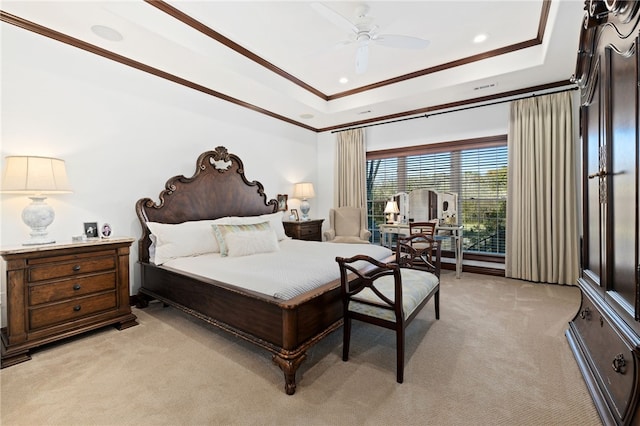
[(485, 86)]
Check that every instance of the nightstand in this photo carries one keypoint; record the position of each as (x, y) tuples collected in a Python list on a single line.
[(310, 230), (56, 291)]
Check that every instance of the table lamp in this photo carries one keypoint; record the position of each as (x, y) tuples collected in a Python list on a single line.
[(390, 209), (304, 191), (36, 176)]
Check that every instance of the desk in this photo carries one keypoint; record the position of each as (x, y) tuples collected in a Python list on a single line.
[(442, 232)]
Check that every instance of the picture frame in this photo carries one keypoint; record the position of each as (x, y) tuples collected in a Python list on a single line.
[(106, 230), (294, 212), (91, 229), (282, 202)]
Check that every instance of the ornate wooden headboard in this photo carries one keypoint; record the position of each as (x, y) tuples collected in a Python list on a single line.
[(218, 188)]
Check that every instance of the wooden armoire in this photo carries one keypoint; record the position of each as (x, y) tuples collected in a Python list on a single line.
[(605, 334)]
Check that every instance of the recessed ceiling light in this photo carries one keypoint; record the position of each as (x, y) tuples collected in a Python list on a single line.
[(306, 116), (480, 38), (343, 80), (106, 33)]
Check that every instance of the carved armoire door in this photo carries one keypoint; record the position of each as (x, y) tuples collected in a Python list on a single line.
[(610, 204)]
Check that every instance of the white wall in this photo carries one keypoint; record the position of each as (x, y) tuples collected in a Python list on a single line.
[(123, 133)]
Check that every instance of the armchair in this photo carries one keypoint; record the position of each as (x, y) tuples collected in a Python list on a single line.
[(347, 225)]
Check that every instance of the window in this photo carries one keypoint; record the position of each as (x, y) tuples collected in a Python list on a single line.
[(475, 169)]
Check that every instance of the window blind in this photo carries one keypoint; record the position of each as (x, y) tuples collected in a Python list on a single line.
[(476, 172)]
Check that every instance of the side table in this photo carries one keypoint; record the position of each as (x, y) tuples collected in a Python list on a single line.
[(310, 230), (56, 291)]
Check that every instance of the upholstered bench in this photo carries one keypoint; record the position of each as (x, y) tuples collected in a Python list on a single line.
[(390, 295)]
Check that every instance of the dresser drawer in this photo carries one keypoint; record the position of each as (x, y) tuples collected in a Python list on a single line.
[(66, 311), (612, 357), (308, 231), (75, 287), (71, 268)]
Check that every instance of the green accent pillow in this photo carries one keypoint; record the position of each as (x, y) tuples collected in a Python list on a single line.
[(244, 240)]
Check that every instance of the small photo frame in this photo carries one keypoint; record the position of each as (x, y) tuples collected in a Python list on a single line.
[(106, 230), (91, 229), (294, 213), (282, 202)]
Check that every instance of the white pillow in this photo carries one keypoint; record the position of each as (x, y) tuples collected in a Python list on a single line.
[(192, 238), (275, 220), (182, 239), (258, 238)]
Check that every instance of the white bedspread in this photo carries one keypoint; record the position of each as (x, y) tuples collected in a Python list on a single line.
[(298, 266)]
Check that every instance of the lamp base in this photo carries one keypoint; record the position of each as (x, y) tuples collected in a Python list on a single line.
[(38, 241), (304, 208), (37, 216)]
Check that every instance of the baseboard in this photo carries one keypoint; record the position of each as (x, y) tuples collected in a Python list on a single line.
[(474, 269)]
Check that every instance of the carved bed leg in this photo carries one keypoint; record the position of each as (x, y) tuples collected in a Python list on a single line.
[(289, 368)]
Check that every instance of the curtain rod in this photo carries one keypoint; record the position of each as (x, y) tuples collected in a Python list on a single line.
[(533, 95)]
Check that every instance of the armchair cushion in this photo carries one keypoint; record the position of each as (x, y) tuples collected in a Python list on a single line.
[(348, 239), (347, 222)]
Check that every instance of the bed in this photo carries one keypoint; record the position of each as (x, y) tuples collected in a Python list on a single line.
[(255, 307)]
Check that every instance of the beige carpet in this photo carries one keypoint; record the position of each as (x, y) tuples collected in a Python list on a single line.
[(497, 356)]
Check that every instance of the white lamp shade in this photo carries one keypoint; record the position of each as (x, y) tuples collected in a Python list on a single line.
[(391, 207), (303, 190), (35, 175)]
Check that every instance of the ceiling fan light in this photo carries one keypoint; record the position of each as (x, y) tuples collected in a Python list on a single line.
[(363, 37)]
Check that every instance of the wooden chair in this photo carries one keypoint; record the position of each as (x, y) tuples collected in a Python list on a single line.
[(389, 295), (419, 251), (425, 228)]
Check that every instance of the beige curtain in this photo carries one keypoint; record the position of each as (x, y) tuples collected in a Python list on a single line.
[(351, 177), (542, 213)]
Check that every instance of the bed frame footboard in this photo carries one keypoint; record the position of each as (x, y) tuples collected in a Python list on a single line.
[(287, 329)]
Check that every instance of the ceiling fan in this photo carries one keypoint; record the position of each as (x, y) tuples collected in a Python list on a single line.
[(366, 33)]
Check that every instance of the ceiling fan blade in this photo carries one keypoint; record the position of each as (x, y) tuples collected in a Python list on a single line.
[(405, 42), (362, 58), (334, 17)]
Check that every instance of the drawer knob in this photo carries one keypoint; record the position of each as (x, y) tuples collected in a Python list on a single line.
[(77, 308), (76, 268), (76, 287), (585, 314), (618, 364)]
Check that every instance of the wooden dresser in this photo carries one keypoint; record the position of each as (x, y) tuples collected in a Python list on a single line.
[(310, 230), (60, 290), (605, 334)]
